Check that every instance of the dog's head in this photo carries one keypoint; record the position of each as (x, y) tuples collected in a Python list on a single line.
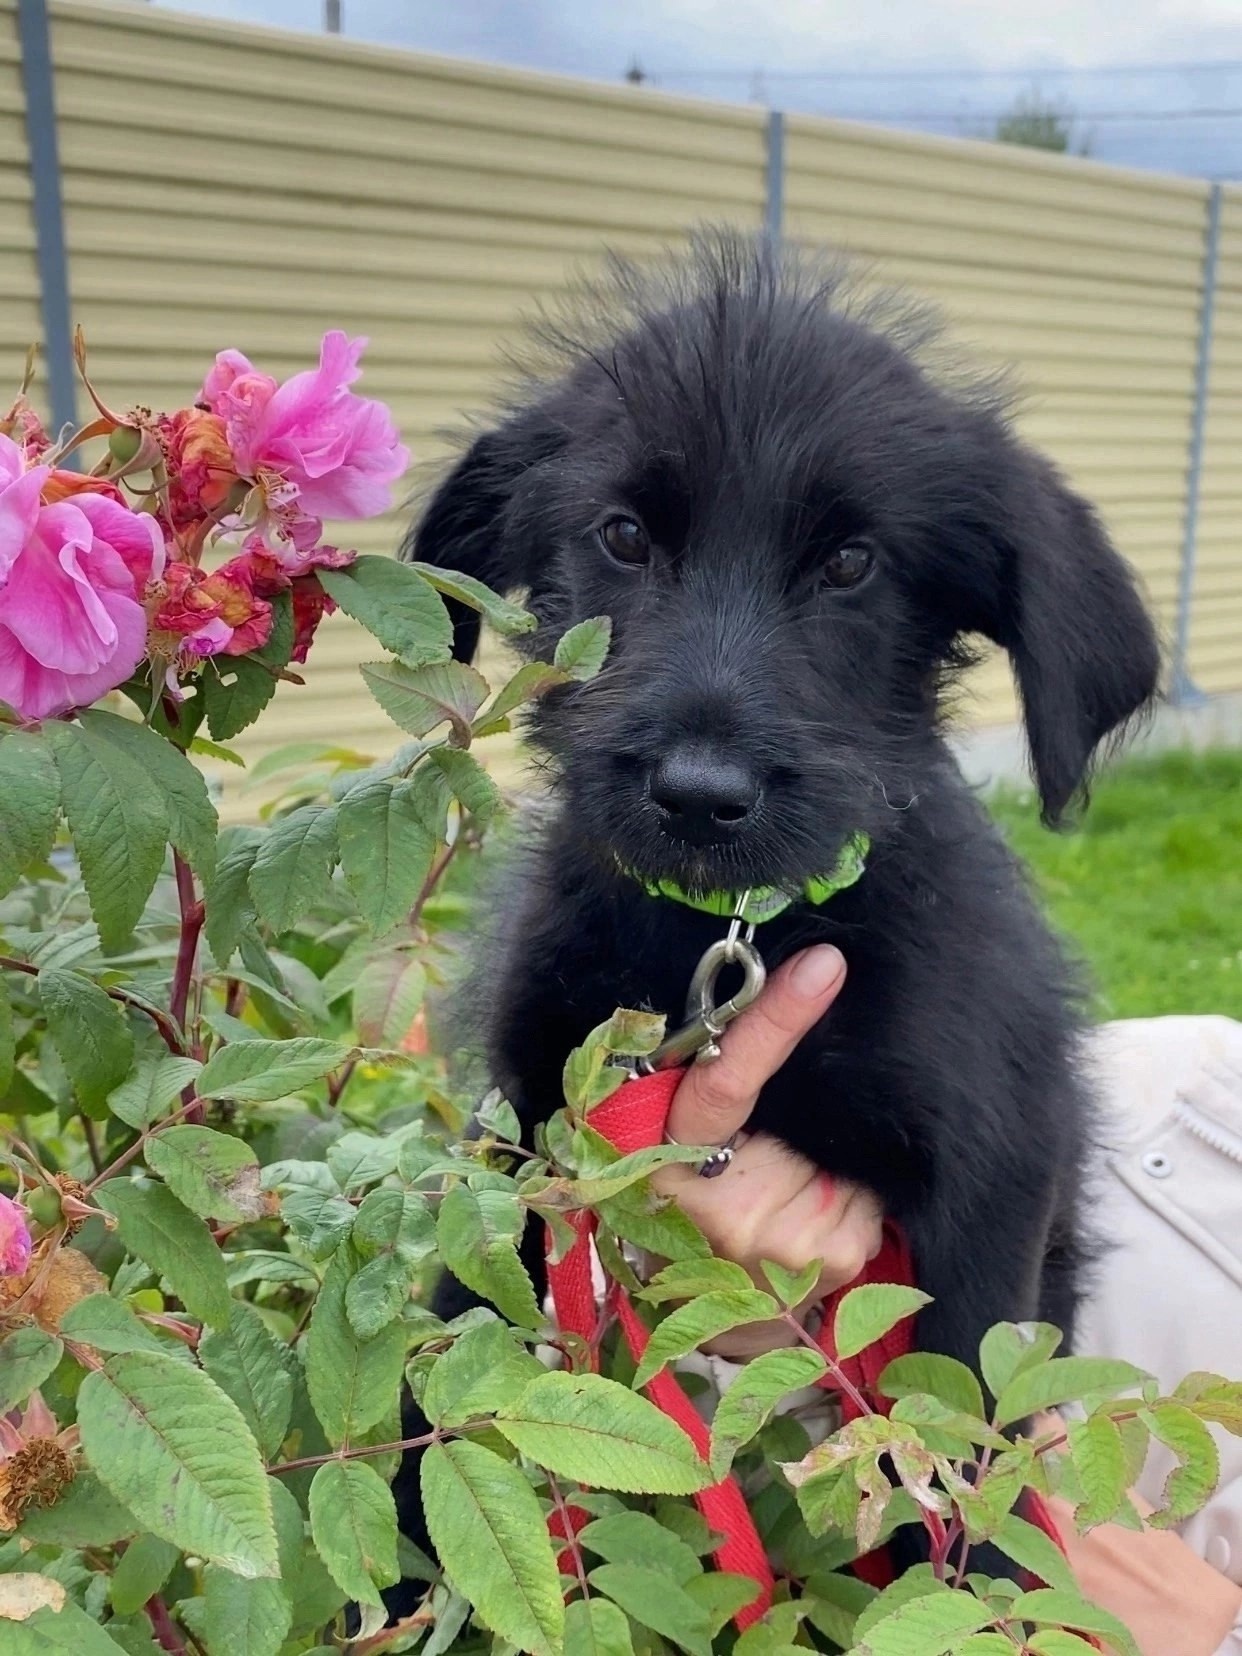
[(794, 528)]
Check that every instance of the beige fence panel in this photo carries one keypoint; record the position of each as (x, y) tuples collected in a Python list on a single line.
[(1085, 278), (20, 322), (1216, 607)]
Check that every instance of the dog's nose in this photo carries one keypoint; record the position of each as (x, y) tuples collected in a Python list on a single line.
[(701, 795)]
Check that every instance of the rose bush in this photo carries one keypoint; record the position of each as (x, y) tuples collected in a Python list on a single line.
[(232, 1155)]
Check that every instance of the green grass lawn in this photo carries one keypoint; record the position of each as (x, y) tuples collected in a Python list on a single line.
[(1149, 888)]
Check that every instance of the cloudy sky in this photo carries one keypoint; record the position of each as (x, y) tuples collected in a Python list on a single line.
[(1154, 83)]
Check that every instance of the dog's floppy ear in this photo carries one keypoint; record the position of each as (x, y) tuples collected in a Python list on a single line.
[(467, 522), (1066, 607)]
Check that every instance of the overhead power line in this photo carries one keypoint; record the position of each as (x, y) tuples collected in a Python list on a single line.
[(1080, 115), (1027, 73)]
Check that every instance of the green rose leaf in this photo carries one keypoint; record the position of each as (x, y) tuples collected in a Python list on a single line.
[(144, 1568), (750, 1400), (1028, 1546), (394, 1233), (64, 1632), (1050, 1605), (1007, 1349), (477, 1233), (420, 698), (352, 1381), (236, 689), (507, 618), (292, 867), (192, 820), (149, 1092), (947, 1380), (354, 1525), (582, 650), (867, 1314), (215, 1175), (29, 804), (119, 823), (89, 1029), (386, 998), (1099, 1459), (596, 1431), (108, 1325), (255, 1616), (254, 1368), (484, 1369), (468, 782), (152, 1223), (170, 1445), (656, 1602), (1195, 1476), (254, 1072), (596, 1627), (27, 1357), (227, 903), (527, 684), (493, 1544), (396, 605), (703, 1319), (1063, 1380), (386, 849)]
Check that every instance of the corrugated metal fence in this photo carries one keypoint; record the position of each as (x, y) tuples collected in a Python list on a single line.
[(242, 186)]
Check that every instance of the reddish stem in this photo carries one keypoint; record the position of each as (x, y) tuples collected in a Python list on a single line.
[(369, 1449), (192, 915), (187, 950), (167, 1028), (164, 1628)]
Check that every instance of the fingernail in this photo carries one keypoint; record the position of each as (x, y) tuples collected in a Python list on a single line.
[(816, 972)]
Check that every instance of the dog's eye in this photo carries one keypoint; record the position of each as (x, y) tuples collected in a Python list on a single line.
[(848, 565), (625, 540)]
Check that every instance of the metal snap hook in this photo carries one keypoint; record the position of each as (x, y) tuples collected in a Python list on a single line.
[(705, 1019)]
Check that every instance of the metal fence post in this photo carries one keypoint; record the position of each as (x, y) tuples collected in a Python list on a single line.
[(774, 201), (49, 222), (1182, 689)]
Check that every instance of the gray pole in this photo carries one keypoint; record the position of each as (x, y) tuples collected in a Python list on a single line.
[(1183, 689), (48, 210)]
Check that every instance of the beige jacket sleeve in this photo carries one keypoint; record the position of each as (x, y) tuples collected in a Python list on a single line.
[(1167, 1291)]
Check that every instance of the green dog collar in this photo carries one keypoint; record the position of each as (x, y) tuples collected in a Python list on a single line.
[(766, 902)]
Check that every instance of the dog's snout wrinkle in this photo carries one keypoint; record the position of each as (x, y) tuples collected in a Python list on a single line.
[(701, 794)]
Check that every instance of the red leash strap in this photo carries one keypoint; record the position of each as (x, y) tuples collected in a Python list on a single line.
[(633, 1119)]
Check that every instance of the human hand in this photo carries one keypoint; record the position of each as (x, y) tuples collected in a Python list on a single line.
[(769, 1203)]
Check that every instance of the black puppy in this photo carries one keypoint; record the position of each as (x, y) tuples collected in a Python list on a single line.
[(795, 528)]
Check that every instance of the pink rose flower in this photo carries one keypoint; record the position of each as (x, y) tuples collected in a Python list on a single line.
[(14, 1239), (72, 574), (338, 452)]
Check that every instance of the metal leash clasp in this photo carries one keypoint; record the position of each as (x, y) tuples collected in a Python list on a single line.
[(695, 1040)]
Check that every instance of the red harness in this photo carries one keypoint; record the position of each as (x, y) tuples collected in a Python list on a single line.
[(634, 1119)]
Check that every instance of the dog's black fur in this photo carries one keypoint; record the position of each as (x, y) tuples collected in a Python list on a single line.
[(754, 420)]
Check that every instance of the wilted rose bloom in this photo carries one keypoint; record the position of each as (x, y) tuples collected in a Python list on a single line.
[(338, 451), (14, 1238), (310, 604), (63, 485), (205, 615), (37, 1461), (200, 466), (24, 426), (247, 615), (72, 574)]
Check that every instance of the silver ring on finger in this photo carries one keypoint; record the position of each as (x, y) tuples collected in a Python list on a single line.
[(715, 1164)]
